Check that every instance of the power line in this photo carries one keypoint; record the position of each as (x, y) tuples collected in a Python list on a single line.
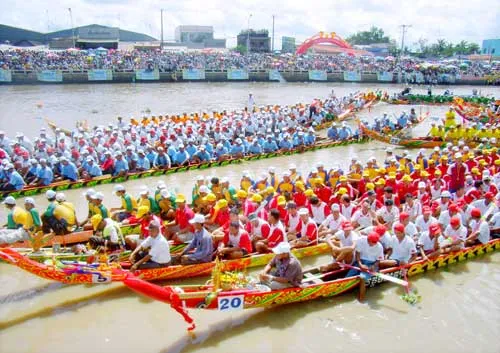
[(403, 32)]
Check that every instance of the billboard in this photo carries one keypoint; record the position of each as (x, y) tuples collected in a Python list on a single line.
[(147, 75), (193, 74), (384, 76), (352, 76), (49, 76), (317, 75), (5, 75), (100, 75), (237, 74)]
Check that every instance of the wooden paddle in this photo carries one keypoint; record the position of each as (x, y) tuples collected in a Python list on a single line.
[(380, 275)]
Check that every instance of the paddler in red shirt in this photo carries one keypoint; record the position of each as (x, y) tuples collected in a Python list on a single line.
[(236, 243), (180, 230), (144, 216), (321, 190), (276, 233), (306, 231), (299, 197)]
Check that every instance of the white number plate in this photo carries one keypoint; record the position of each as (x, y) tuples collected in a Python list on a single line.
[(231, 303)]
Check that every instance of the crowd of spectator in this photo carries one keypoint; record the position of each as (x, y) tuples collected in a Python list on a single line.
[(118, 60)]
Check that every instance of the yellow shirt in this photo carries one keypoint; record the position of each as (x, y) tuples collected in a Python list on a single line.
[(21, 216), (434, 132), (245, 185), (66, 211)]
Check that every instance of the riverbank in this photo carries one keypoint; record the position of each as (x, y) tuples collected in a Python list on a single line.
[(8, 77)]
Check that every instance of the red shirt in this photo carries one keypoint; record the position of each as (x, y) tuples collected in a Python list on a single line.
[(300, 199), (244, 241), (222, 217), (182, 217), (309, 230), (276, 235)]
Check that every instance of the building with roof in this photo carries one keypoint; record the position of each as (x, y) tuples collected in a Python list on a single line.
[(259, 41), (198, 37)]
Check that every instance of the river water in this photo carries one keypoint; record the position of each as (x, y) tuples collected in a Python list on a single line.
[(459, 312)]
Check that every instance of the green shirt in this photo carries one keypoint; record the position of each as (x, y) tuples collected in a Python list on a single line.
[(36, 217)]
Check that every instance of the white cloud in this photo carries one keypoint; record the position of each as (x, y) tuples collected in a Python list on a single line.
[(450, 19)]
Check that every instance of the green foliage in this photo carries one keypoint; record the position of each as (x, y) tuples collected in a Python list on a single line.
[(443, 48), (242, 49), (373, 36)]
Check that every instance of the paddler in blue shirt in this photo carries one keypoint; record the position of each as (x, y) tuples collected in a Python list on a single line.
[(299, 139), (237, 150), (220, 152), (402, 120), (15, 180), (310, 138), (269, 145), (255, 148), (202, 155), (121, 165), (182, 156), (285, 143), (142, 163), (333, 133), (92, 168), (345, 132), (162, 160), (68, 170), (45, 175)]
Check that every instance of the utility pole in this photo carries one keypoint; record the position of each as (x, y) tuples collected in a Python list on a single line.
[(272, 50), (161, 40), (248, 34), (72, 27), (403, 30)]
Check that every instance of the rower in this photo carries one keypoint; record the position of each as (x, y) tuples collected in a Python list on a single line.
[(275, 236), (180, 228), (202, 243), (92, 209), (454, 236), (34, 222), (111, 237), (17, 223), (428, 242), (147, 200), (154, 251), (479, 229), (402, 249), (53, 218), (236, 243), (342, 245), (306, 231), (332, 223), (369, 252), (129, 205), (97, 199), (287, 269), (66, 210)]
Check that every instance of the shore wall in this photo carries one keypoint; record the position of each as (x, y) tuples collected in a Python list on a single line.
[(69, 77)]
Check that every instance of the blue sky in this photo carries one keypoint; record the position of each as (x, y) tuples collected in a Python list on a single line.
[(430, 19)]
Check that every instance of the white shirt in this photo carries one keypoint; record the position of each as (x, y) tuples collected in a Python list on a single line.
[(388, 216), (347, 241), (402, 250), (495, 221), (367, 252), (347, 211), (318, 212), (422, 225), (449, 232), (364, 220), (484, 230), (410, 230), (414, 211), (481, 204), (159, 249), (333, 224), (425, 241), (444, 218)]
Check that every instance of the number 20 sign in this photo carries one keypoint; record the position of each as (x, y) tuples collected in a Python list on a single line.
[(230, 303)]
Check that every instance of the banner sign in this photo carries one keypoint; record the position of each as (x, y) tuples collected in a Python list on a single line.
[(384, 76), (274, 75), (419, 77), (49, 76), (147, 75), (317, 75), (193, 74), (100, 75), (352, 76), (5, 75), (237, 74), (447, 78)]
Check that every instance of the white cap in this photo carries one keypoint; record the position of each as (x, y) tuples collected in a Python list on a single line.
[(89, 192), (282, 248), (292, 166), (119, 188), (421, 184), (224, 180), (161, 185), (50, 194), (204, 189), (144, 190), (303, 211), (29, 200), (164, 193), (445, 193), (271, 169), (458, 155), (198, 218), (9, 200), (60, 196), (98, 196), (335, 207), (200, 178)]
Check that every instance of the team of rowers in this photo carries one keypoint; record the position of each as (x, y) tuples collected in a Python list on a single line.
[(380, 214), (165, 141)]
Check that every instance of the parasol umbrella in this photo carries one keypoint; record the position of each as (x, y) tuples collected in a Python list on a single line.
[(389, 58)]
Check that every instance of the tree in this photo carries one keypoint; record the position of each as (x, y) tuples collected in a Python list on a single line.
[(242, 49), (373, 36)]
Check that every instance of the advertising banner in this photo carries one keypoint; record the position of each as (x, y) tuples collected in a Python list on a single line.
[(147, 75), (317, 75), (49, 76), (237, 74), (384, 76), (193, 74), (5, 75), (100, 75), (352, 76), (274, 75)]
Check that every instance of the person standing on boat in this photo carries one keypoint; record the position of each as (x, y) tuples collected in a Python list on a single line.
[(284, 270), (154, 251), (201, 247)]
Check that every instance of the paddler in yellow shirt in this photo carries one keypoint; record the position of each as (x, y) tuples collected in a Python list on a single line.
[(65, 211), (460, 131), (449, 120), (434, 131), (483, 133), (441, 132), (452, 135), (17, 223)]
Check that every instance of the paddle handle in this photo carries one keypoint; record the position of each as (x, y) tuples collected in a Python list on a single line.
[(380, 275)]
